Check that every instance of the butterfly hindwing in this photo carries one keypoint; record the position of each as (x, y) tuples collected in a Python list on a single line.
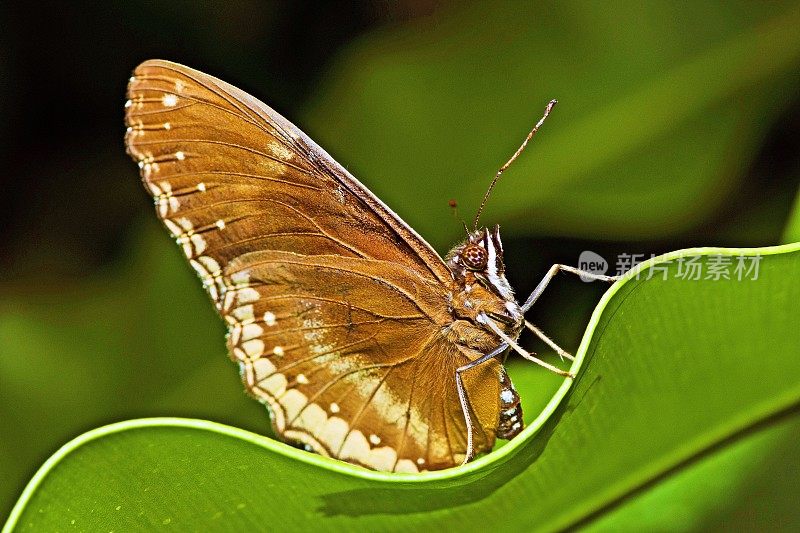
[(337, 311), (372, 382)]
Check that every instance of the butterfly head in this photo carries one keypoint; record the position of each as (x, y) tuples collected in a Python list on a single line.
[(480, 283), (481, 253)]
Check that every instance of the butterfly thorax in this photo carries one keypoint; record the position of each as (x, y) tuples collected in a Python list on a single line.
[(480, 289)]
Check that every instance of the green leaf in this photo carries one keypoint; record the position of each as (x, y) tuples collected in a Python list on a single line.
[(137, 340), (672, 373), (747, 484)]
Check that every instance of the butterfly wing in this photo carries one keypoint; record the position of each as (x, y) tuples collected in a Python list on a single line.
[(346, 356), (336, 308)]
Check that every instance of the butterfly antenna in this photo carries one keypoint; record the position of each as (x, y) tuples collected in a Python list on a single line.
[(538, 125), (454, 206)]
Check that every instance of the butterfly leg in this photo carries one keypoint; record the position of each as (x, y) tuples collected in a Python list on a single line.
[(483, 319), (462, 395), (551, 274), (547, 340)]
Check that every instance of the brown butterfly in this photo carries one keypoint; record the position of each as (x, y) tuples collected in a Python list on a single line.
[(365, 345)]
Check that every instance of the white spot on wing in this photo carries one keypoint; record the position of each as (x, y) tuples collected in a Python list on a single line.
[(278, 350), (253, 348), (293, 401), (243, 313), (356, 447), (269, 318), (263, 369), (275, 384), (381, 458), (281, 151), (210, 264), (334, 432), (405, 465), (199, 243), (234, 334), (251, 331), (172, 227), (239, 354), (169, 100), (247, 295), (312, 418), (241, 278)]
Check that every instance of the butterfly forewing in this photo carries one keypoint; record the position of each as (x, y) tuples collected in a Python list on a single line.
[(193, 134), (337, 310)]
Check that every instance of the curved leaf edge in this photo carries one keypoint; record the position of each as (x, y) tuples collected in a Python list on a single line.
[(495, 457)]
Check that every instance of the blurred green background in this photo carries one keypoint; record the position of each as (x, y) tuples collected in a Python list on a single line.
[(678, 126)]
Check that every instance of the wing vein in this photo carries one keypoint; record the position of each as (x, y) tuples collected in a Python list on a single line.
[(228, 144), (229, 98), (383, 281), (330, 300), (239, 174)]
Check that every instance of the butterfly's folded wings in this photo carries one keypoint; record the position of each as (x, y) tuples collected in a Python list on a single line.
[(336, 309)]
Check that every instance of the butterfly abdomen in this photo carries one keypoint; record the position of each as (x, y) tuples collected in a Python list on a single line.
[(511, 423)]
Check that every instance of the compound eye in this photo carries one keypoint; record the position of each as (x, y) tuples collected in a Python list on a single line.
[(474, 257)]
